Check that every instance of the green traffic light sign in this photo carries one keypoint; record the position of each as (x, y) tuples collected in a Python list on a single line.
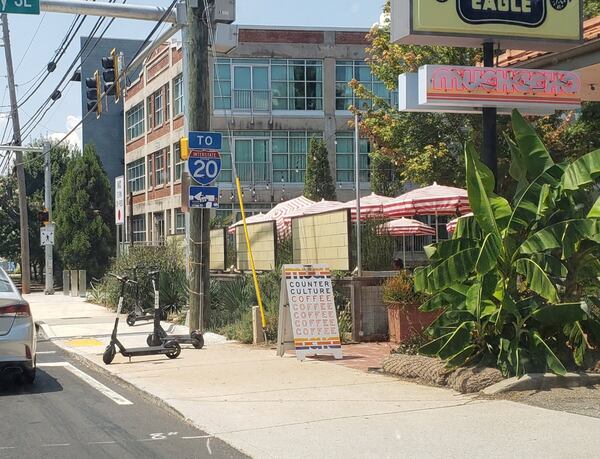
[(20, 6)]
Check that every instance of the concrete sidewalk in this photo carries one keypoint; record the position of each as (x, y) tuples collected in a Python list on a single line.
[(275, 407)]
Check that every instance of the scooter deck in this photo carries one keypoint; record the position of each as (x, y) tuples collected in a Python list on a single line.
[(152, 350)]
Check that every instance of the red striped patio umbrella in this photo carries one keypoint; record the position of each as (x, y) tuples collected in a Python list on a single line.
[(451, 225), (405, 227), (282, 210), (430, 200), (371, 206)]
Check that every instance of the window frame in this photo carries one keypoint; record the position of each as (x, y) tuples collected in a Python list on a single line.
[(136, 183), (132, 125)]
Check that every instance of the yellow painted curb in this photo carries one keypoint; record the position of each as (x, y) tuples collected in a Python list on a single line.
[(84, 342)]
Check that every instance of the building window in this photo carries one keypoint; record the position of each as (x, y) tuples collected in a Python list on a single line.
[(345, 71), (150, 173), (149, 113), (179, 222), (136, 176), (138, 224), (178, 105), (297, 84), (159, 168), (157, 99), (135, 121), (264, 84), (178, 162), (168, 167), (266, 156), (344, 158), (289, 155), (167, 102)]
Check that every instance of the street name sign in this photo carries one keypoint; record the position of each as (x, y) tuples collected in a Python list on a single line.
[(47, 235), (204, 197), (204, 165), (20, 6), (307, 319), (200, 140), (120, 200), (544, 25)]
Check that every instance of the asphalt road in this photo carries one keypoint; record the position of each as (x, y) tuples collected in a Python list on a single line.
[(73, 411)]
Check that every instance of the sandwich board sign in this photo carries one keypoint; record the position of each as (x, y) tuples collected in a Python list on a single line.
[(307, 319)]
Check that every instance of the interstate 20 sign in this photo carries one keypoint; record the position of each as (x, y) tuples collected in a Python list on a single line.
[(516, 24)]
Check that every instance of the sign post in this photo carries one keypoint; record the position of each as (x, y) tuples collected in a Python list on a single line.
[(307, 319), (119, 208)]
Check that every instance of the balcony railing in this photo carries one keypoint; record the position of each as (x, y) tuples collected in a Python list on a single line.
[(252, 100)]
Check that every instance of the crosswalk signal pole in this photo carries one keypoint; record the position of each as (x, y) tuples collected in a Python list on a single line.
[(49, 290)]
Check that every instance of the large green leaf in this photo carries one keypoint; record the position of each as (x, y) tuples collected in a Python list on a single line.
[(552, 265), (451, 296), (559, 314), (554, 236), (434, 346), (454, 269), (537, 279), (457, 341), (553, 362), (518, 166), (444, 249), (473, 300), (595, 210), (488, 254), (467, 228), (581, 172), (533, 151), (480, 187), (463, 356)]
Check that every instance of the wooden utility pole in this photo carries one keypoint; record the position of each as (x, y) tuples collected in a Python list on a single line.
[(14, 114), (197, 112)]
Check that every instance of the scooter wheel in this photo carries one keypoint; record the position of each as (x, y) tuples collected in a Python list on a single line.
[(197, 339), (150, 340), (109, 354), (131, 319), (176, 349)]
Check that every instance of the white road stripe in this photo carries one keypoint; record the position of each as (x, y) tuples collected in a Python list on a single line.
[(45, 352), (7, 447), (102, 443), (57, 444), (199, 436), (118, 399)]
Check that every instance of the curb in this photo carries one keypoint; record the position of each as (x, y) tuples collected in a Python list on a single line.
[(542, 381)]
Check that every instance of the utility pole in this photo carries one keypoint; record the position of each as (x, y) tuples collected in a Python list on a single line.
[(197, 114), (14, 114), (48, 204), (489, 157)]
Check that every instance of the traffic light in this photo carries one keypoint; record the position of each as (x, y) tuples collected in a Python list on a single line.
[(110, 75), (94, 94), (43, 216), (184, 148)]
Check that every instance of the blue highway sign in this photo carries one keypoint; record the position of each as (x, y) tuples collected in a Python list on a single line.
[(199, 140), (204, 165), (204, 197)]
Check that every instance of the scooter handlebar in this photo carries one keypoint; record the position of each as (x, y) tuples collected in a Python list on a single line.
[(123, 279)]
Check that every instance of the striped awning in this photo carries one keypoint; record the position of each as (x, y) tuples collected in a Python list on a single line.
[(371, 206), (406, 227), (258, 218), (281, 212), (451, 225)]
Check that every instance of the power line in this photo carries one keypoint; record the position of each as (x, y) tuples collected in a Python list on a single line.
[(127, 68), (30, 42)]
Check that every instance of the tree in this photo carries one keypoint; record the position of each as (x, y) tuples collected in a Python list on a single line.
[(517, 284), (84, 215), (385, 179), (318, 183)]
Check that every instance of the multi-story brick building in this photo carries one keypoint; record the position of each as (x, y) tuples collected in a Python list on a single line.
[(270, 95)]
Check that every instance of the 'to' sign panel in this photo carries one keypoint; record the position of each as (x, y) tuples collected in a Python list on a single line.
[(204, 165), (205, 140)]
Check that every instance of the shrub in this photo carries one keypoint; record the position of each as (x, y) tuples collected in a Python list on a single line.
[(399, 291)]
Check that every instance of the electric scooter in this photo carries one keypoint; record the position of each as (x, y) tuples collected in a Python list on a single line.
[(169, 348), (138, 314), (160, 336)]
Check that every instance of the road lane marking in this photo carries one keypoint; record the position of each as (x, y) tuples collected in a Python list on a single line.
[(118, 399), (56, 444), (196, 437), (7, 447), (45, 352), (102, 443)]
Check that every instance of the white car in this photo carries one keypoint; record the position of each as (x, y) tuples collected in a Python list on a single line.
[(17, 332)]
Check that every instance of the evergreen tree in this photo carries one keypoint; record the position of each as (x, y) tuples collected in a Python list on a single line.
[(84, 215), (385, 180), (318, 183)]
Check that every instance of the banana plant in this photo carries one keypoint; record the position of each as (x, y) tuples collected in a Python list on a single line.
[(513, 283)]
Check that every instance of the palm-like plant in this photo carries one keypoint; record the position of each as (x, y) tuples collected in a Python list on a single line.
[(512, 280)]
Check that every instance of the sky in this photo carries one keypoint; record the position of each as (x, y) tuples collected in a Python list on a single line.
[(35, 39)]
